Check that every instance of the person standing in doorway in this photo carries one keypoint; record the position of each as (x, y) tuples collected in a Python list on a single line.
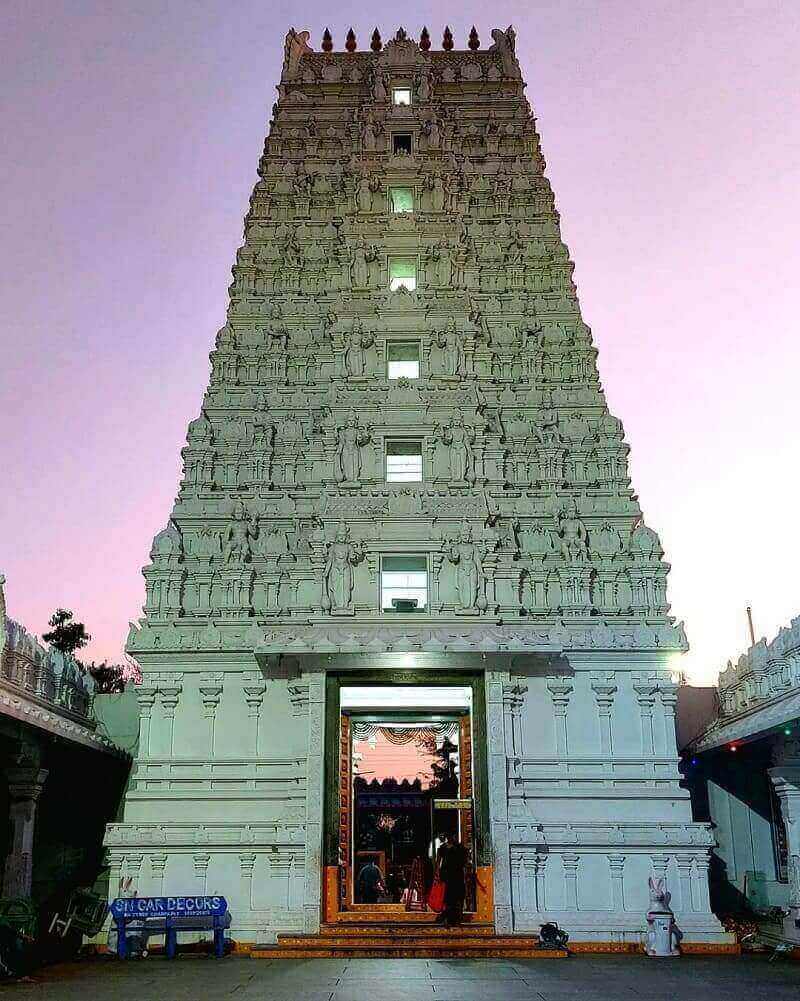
[(451, 861), (370, 883)]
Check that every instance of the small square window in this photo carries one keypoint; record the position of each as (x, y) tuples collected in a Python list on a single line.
[(403, 461), (402, 360), (404, 583), (402, 274), (401, 199), (401, 95), (401, 144)]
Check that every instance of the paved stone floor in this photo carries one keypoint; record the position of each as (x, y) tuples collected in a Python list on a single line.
[(596, 978)]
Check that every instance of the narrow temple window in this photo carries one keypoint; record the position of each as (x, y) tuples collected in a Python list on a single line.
[(403, 461), (401, 95), (402, 274), (401, 143), (404, 583), (401, 199), (402, 360)]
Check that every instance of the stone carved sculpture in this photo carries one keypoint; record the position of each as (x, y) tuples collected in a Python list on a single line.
[(366, 189), (342, 556), (572, 534), (362, 260), (432, 134), (369, 135), (380, 93), (355, 352), (448, 357), (241, 531), (459, 439), (295, 47), (424, 93), (351, 438), (291, 439), (470, 583)]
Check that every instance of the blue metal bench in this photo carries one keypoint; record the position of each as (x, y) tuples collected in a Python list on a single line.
[(137, 918)]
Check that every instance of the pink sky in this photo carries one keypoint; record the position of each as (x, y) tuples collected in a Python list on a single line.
[(131, 134), (388, 760)]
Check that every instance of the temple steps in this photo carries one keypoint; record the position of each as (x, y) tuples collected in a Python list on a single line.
[(387, 940)]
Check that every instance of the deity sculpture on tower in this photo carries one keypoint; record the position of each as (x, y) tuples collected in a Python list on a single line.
[(355, 353), (470, 584), (459, 439), (352, 437), (338, 579), (572, 534)]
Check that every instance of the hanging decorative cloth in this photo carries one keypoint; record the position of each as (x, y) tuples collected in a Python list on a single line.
[(404, 735)]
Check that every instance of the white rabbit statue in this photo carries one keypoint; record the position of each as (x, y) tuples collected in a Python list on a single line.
[(663, 935)]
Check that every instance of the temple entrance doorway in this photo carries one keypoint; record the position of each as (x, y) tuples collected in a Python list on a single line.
[(405, 778)]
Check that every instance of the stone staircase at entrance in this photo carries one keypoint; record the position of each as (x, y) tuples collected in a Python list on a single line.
[(386, 940)]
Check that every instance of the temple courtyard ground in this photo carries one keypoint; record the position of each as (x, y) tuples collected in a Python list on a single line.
[(596, 978)]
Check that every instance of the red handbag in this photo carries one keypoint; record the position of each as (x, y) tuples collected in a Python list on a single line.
[(436, 895)]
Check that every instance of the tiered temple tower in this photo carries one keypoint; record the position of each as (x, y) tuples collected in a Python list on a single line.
[(404, 467)]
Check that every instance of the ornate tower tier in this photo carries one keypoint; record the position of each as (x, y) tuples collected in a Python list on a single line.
[(404, 462)]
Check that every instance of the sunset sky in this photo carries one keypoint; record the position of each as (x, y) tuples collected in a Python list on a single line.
[(131, 135)]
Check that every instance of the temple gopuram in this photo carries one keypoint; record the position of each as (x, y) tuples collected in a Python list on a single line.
[(406, 518)]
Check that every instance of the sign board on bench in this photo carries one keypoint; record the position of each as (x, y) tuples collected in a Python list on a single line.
[(169, 915), (168, 907)]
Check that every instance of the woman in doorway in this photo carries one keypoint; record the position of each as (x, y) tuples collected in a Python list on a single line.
[(451, 861)]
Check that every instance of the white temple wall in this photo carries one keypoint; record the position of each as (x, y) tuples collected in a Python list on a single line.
[(229, 820), (595, 807), (590, 817)]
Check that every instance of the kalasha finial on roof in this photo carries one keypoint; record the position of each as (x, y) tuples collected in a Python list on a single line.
[(425, 40), (447, 39), (376, 44), (401, 35), (327, 41), (474, 42), (350, 41)]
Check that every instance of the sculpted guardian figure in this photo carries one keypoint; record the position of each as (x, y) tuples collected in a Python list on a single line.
[(360, 266), (295, 45), (241, 530), (364, 194), (348, 453), (452, 349), (369, 135), (463, 553), (505, 42), (379, 91), (342, 556), (355, 355), (459, 438), (572, 534), (423, 88)]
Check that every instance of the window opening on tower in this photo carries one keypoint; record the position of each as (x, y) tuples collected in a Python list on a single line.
[(404, 583), (401, 95), (402, 360), (402, 274), (404, 461), (401, 144), (401, 199)]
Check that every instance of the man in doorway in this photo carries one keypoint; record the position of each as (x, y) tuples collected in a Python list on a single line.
[(370, 883), (451, 861)]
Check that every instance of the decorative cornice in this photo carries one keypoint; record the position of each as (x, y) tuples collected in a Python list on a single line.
[(26, 711), (326, 636)]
